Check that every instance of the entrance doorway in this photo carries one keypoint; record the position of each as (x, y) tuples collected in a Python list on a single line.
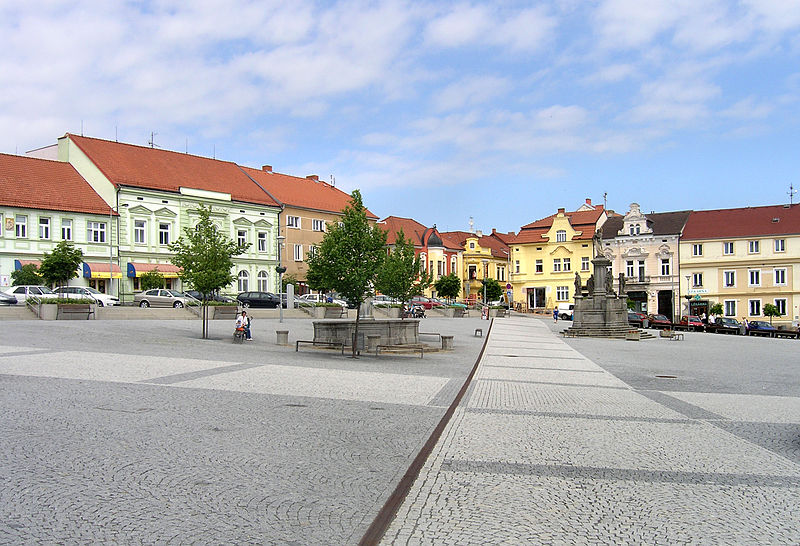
[(665, 304), (536, 298), (639, 300)]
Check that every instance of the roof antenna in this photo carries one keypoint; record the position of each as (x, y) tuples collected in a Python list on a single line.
[(605, 196), (333, 181), (187, 145), (152, 141), (116, 133), (214, 153), (81, 127), (471, 225), (792, 191)]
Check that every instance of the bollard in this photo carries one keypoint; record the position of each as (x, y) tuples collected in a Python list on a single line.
[(372, 343), (283, 337), (447, 343)]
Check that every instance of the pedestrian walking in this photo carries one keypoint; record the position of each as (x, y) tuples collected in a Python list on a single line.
[(555, 314)]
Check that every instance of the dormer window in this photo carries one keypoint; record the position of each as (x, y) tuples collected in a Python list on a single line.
[(561, 236)]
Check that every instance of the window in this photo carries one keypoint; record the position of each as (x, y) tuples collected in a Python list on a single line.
[(629, 269), (501, 273), (21, 226), (439, 268), (539, 266), (780, 303), (66, 229), (422, 260), (752, 247), (557, 264), (697, 249), (96, 232), (241, 237), (585, 263), (163, 233), (44, 228), (472, 272), (263, 281), (780, 245), (754, 276), (561, 236), (780, 276), (727, 248), (567, 264), (262, 241), (516, 267), (312, 250), (697, 279), (755, 308), (318, 225), (453, 264), (293, 222), (641, 271), (471, 245), (139, 232), (298, 253), (243, 278), (729, 278), (562, 293), (665, 267), (631, 229), (730, 308)]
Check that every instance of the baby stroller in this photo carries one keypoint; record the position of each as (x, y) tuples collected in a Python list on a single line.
[(416, 311), (238, 335)]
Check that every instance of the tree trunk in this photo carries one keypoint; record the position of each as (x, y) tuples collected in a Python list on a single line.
[(205, 319), (355, 333)]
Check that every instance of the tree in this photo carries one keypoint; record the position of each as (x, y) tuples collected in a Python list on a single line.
[(493, 289), (61, 265), (716, 309), (205, 256), (402, 275), (349, 257), (28, 274), (448, 286), (770, 311), (288, 278), (151, 279)]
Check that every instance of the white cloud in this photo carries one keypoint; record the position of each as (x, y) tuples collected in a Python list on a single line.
[(748, 109), (470, 92)]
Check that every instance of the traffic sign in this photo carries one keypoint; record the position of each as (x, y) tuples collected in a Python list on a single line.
[(508, 286)]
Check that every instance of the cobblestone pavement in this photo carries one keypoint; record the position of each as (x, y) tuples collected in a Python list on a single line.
[(140, 432), (548, 447)]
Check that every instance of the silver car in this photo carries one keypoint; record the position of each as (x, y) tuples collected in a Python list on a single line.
[(159, 297), (23, 291), (87, 292)]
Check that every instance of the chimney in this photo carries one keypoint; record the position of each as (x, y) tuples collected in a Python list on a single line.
[(562, 210), (588, 201), (313, 177), (266, 168), (479, 233)]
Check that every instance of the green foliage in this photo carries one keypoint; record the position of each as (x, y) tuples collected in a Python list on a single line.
[(288, 278), (631, 304), (493, 290), (402, 275), (349, 257), (448, 286), (716, 309), (151, 279), (62, 264), (770, 311), (28, 274)]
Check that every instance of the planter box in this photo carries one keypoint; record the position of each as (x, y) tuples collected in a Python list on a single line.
[(48, 311)]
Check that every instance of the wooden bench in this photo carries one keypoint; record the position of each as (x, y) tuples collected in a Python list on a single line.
[(226, 312), (322, 343), (75, 309)]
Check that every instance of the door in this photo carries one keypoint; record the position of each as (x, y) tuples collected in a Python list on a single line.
[(665, 303)]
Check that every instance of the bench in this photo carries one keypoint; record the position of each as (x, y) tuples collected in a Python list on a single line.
[(478, 332), (322, 343), (401, 349), (69, 309), (437, 334), (784, 333), (227, 312)]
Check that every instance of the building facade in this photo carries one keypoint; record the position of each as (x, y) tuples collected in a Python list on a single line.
[(484, 257), (743, 259), (644, 248)]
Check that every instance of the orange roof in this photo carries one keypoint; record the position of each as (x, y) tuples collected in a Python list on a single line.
[(309, 193), (495, 245), (141, 167), (583, 221), (416, 232), (33, 183), (743, 222)]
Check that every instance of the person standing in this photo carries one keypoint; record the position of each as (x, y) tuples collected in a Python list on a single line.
[(243, 321), (555, 315)]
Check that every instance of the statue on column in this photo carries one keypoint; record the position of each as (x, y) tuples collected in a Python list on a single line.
[(590, 284), (597, 242), (621, 284), (609, 283), (578, 285)]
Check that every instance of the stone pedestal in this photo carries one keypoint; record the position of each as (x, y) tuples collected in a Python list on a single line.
[(373, 340), (601, 313), (390, 331), (447, 343), (283, 337)]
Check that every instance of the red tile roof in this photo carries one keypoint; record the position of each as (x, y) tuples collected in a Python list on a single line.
[(492, 242), (302, 192), (416, 232), (743, 222), (141, 167), (583, 221), (33, 183)]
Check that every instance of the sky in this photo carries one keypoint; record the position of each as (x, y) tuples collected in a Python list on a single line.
[(440, 111)]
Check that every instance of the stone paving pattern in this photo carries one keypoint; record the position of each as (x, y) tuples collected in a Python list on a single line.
[(550, 448)]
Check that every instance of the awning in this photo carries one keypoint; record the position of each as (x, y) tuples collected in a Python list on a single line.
[(168, 271), (19, 263), (99, 270)]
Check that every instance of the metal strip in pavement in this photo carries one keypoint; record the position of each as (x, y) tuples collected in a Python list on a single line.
[(554, 384), (621, 474), (188, 376), (542, 368), (561, 415), (28, 353)]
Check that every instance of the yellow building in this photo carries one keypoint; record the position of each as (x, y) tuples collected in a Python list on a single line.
[(485, 257), (546, 254), (743, 259)]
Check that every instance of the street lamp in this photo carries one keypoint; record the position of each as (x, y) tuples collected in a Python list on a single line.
[(688, 295), (485, 275), (280, 270)]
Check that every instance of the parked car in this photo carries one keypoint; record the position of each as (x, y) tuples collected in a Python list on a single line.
[(320, 298), (196, 294), (86, 292), (381, 300), (659, 321), (427, 303), (692, 322), (23, 291), (284, 303), (636, 318), (759, 328), (724, 325), (259, 299), (7, 299), (565, 311), (160, 297)]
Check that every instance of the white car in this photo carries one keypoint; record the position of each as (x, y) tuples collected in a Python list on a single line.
[(78, 292), (34, 290), (318, 298)]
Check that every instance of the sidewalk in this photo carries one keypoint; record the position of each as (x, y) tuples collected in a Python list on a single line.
[(548, 447)]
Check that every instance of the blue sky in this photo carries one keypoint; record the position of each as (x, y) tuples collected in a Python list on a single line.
[(440, 111)]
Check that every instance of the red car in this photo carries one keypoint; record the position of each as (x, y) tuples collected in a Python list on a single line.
[(427, 303), (693, 322), (659, 321)]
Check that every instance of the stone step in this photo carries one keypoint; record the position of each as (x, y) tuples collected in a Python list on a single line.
[(16, 312)]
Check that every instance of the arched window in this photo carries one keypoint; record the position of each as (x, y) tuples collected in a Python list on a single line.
[(637, 229), (453, 264), (263, 281), (422, 258), (631, 229), (243, 278)]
